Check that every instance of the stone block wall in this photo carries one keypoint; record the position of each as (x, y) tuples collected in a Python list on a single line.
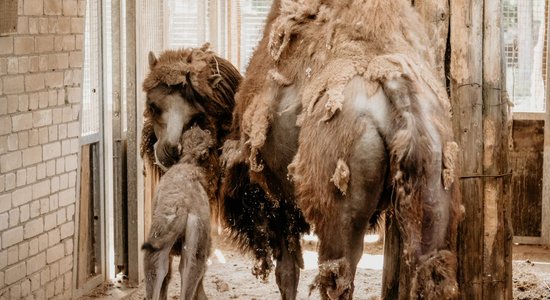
[(40, 94)]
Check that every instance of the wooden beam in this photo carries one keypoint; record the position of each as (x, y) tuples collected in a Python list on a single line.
[(497, 227), (135, 231), (435, 14), (84, 217), (466, 76), (545, 234)]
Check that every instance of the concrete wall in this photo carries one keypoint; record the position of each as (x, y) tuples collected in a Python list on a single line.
[(40, 94)]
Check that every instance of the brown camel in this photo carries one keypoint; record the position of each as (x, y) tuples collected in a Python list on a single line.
[(340, 114), (194, 87)]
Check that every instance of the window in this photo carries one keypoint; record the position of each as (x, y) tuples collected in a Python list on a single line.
[(525, 29), (8, 16), (233, 27), (187, 23), (253, 15), (91, 71)]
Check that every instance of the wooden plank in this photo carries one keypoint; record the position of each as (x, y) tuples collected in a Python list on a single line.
[(527, 240), (84, 218), (134, 231), (529, 115), (119, 201), (525, 157), (497, 232), (546, 164), (466, 101), (436, 19)]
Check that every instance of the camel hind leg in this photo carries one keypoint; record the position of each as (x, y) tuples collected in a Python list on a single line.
[(341, 237), (195, 251)]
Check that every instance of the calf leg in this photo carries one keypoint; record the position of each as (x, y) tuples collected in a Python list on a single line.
[(201, 295), (195, 251), (157, 266), (166, 282)]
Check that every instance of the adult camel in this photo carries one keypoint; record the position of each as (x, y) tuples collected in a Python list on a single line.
[(341, 115)]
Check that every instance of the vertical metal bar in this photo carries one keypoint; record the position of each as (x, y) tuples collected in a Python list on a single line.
[(545, 230), (212, 19), (134, 228), (201, 24), (97, 216), (222, 47), (119, 203)]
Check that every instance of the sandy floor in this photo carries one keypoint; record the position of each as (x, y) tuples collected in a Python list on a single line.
[(229, 277)]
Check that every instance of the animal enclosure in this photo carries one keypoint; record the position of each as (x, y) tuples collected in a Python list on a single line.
[(77, 197)]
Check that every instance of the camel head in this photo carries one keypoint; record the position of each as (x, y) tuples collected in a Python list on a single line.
[(185, 88)]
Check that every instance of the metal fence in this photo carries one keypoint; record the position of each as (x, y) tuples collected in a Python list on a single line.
[(525, 26), (90, 117)]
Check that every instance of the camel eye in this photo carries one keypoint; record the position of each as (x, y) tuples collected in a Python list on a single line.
[(154, 108)]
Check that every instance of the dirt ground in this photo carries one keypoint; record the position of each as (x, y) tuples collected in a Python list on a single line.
[(229, 276)]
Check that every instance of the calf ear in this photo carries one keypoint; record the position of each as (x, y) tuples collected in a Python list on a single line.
[(152, 59)]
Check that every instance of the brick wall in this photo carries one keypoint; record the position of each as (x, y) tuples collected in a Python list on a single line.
[(40, 79)]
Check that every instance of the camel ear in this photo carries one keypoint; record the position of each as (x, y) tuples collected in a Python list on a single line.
[(152, 60)]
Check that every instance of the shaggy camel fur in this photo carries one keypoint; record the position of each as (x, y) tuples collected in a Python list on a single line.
[(181, 221), (347, 90), (187, 87)]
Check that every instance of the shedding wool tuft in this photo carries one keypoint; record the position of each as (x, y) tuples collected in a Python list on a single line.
[(450, 152), (340, 178)]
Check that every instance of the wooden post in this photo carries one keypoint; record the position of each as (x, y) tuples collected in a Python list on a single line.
[(84, 240), (497, 247), (135, 207), (435, 14), (466, 74), (393, 247), (480, 124)]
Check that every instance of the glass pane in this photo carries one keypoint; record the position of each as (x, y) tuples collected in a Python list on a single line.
[(525, 29), (253, 15), (187, 23), (90, 84)]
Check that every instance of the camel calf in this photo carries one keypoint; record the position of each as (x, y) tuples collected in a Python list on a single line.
[(181, 221)]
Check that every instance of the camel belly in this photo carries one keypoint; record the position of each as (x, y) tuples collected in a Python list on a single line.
[(282, 139), (367, 162)]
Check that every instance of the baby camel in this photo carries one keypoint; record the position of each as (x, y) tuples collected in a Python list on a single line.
[(181, 221)]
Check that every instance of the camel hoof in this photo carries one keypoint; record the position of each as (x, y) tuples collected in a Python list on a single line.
[(334, 281)]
